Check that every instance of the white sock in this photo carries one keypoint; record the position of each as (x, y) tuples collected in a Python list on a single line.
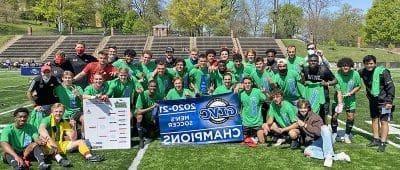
[(58, 157), (88, 155)]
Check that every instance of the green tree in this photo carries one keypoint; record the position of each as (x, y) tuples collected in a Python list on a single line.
[(129, 22), (193, 16), (382, 22), (347, 25), (289, 19), (150, 13), (111, 12)]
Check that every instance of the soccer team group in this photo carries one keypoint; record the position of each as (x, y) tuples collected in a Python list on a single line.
[(286, 98)]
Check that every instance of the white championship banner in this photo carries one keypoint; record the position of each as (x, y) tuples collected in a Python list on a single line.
[(107, 124)]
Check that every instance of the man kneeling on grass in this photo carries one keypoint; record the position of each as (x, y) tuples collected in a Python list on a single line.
[(20, 142), (61, 137), (317, 136), (282, 119)]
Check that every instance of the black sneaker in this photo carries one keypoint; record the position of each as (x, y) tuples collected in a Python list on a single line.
[(44, 166), (95, 158), (64, 162), (141, 143), (374, 142), (382, 147), (294, 144)]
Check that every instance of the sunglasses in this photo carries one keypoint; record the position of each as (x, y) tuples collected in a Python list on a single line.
[(310, 48)]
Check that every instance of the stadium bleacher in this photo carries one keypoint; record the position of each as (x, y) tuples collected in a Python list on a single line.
[(28, 48), (123, 42), (216, 43), (181, 46), (68, 45), (260, 44)]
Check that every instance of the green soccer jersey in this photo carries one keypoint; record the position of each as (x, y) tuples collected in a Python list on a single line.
[(284, 115), (164, 83), (117, 89), (122, 64), (289, 83), (261, 79), (189, 63), (242, 71), (19, 139), (346, 83), (173, 94), (222, 90), (145, 100), (218, 78), (142, 71), (314, 93), (296, 64), (201, 80), (72, 103), (92, 91), (251, 107), (182, 74)]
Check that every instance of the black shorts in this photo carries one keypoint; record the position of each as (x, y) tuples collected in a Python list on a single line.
[(251, 131), (375, 109)]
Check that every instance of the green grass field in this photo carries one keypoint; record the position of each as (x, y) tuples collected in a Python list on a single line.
[(356, 54), (220, 156)]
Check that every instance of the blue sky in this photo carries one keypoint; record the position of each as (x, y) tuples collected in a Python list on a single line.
[(362, 4)]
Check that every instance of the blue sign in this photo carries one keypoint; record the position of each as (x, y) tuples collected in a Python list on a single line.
[(207, 119), (30, 71)]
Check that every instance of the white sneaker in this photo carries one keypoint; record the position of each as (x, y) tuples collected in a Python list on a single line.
[(328, 161), (334, 135), (347, 138), (279, 142), (343, 157)]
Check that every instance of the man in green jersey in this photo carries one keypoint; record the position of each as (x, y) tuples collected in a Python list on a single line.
[(163, 78), (251, 100), (263, 80), (349, 83), (200, 77), (238, 69), (227, 87), (126, 61), (97, 90), (178, 92), (282, 119), (145, 104), (217, 76), (191, 61), (181, 71), (17, 138), (145, 67), (289, 81), (295, 62)]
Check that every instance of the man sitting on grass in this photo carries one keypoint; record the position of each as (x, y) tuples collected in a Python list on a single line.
[(20, 142), (282, 119), (61, 137)]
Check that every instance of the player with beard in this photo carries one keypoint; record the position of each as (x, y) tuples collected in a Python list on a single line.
[(315, 75), (270, 61), (289, 81)]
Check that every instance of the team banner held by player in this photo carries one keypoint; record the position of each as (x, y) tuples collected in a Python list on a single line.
[(107, 124), (208, 119), (30, 71)]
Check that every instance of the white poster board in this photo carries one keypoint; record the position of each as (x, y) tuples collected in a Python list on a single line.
[(107, 124)]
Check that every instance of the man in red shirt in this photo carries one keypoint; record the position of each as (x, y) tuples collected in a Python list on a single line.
[(102, 67)]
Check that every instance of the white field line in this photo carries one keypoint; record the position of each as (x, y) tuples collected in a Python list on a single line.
[(8, 111), (368, 133), (135, 163)]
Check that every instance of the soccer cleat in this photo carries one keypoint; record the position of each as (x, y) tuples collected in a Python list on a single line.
[(382, 147), (334, 135), (347, 138), (328, 161), (44, 166), (95, 158), (374, 142), (279, 142), (64, 162), (343, 157), (294, 144)]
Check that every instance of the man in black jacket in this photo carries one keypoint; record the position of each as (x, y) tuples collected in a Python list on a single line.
[(79, 60), (380, 93)]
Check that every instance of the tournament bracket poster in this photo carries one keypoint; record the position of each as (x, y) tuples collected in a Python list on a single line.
[(208, 119), (107, 124)]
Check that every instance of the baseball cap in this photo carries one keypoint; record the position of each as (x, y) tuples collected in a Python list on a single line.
[(45, 67), (169, 49)]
